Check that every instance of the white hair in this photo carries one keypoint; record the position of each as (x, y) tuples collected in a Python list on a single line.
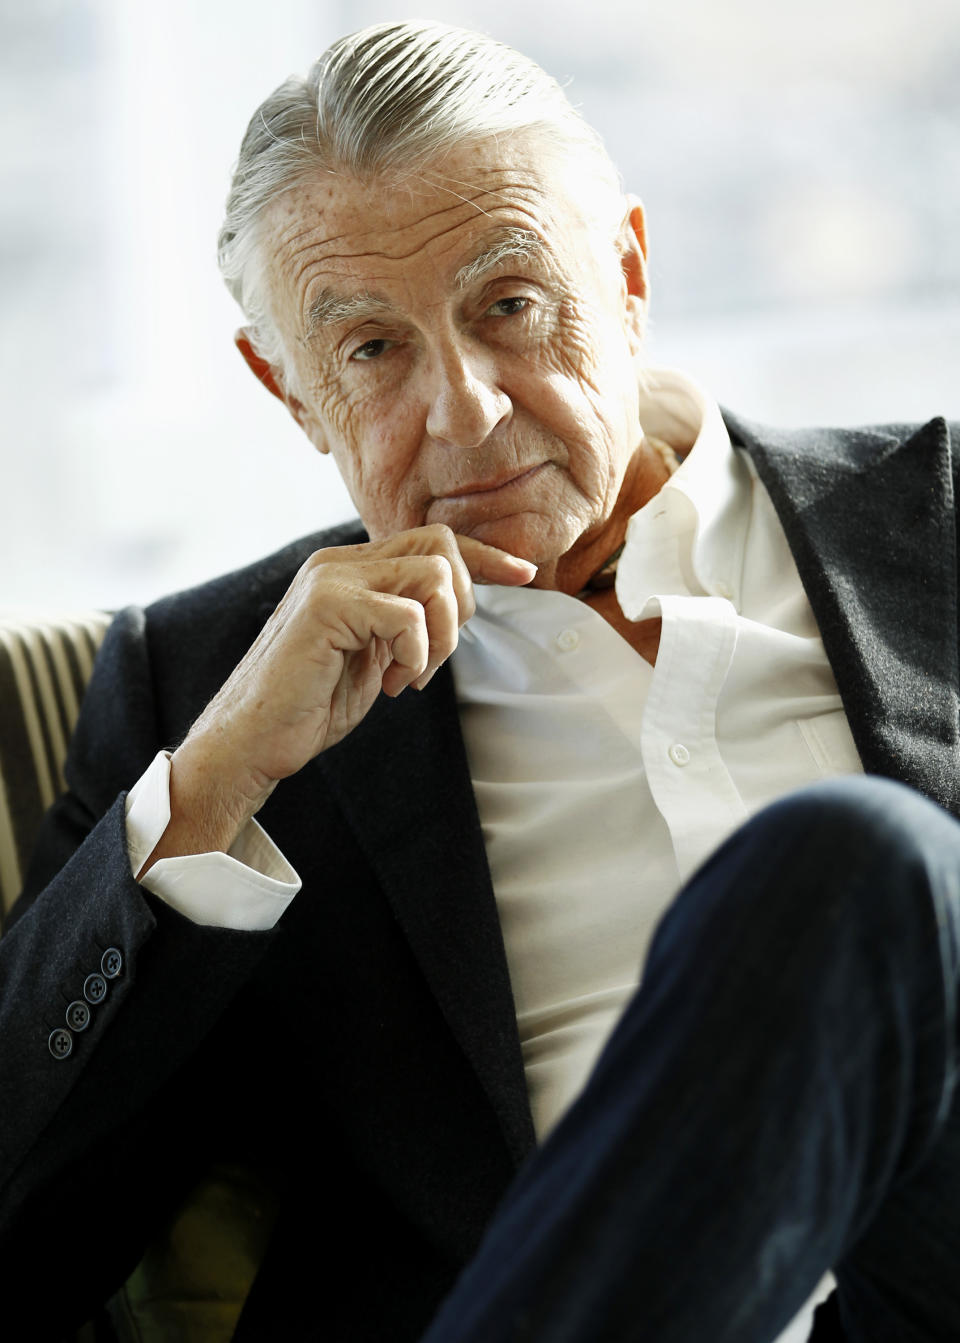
[(387, 100)]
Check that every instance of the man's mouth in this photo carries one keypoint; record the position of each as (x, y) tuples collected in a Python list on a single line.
[(494, 484)]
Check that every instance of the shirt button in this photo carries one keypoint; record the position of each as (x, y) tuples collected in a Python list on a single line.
[(679, 754), (567, 640)]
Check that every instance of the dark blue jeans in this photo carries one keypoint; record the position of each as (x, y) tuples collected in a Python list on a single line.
[(777, 1100)]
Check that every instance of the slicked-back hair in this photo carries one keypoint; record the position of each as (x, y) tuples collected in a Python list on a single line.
[(386, 101)]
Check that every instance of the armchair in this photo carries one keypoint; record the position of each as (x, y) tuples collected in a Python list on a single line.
[(191, 1284)]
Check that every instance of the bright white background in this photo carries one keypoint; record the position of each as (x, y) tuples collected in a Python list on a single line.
[(800, 163)]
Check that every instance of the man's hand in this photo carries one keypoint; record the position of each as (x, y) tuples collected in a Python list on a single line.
[(355, 620)]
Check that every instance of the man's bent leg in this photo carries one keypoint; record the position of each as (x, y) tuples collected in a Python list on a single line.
[(775, 1101)]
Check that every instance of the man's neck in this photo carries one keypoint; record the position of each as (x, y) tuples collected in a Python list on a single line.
[(650, 468), (643, 636)]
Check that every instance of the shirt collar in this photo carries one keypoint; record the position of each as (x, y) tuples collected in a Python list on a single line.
[(690, 537)]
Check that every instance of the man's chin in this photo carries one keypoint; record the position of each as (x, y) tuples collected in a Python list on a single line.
[(528, 536)]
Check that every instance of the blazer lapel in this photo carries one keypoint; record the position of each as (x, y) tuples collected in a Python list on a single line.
[(404, 784), (869, 517)]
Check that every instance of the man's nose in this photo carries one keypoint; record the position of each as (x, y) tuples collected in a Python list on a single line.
[(465, 401)]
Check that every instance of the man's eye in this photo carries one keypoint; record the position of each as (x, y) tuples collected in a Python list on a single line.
[(508, 307), (371, 349)]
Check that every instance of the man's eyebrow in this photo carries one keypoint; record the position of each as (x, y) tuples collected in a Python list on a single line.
[(509, 242), (329, 308)]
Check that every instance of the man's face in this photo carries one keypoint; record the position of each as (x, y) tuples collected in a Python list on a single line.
[(464, 343)]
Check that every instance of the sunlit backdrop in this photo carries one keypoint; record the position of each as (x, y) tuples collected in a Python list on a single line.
[(800, 163)]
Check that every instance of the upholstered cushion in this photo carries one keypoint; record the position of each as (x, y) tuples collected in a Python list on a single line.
[(46, 657)]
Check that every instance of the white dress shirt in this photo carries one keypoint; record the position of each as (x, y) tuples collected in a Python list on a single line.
[(602, 782)]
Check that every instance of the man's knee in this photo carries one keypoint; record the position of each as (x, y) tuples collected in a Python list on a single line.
[(850, 876), (870, 808), (860, 849), (861, 821)]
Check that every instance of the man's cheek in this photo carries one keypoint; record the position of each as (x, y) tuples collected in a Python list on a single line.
[(390, 501), (345, 404)]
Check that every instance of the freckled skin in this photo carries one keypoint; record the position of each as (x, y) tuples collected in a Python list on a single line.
[(524, 382)]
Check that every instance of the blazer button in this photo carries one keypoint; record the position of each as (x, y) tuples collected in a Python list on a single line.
[(60, 1043), (94, 989), (78, 1015), (111, 963)]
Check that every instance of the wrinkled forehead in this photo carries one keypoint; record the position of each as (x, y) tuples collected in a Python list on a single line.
[(334, 235)]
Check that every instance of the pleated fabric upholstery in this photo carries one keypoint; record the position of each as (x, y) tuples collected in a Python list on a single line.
[(46, 657)]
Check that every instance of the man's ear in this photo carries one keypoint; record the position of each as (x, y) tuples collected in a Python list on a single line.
[(262, 370), (632, 246), (273, 379)]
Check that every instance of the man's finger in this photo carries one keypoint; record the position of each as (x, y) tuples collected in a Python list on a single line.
[(487, 564)]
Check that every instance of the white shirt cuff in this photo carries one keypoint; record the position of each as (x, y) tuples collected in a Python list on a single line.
[(247, 888)]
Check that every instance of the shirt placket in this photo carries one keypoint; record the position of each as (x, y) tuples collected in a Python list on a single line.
[(689, 780)]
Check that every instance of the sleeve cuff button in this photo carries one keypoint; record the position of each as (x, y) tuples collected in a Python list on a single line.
[(94, 989), (60, 1043), (78, 1015), (111, 963)]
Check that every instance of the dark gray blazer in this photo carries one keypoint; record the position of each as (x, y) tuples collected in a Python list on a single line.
[(365, 1051)]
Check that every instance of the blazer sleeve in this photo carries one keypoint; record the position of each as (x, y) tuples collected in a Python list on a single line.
[(105, 992)]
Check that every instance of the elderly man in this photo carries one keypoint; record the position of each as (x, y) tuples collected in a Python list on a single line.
[(562, 691)]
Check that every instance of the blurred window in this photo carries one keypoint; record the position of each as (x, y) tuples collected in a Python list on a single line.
[(800, 165)]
